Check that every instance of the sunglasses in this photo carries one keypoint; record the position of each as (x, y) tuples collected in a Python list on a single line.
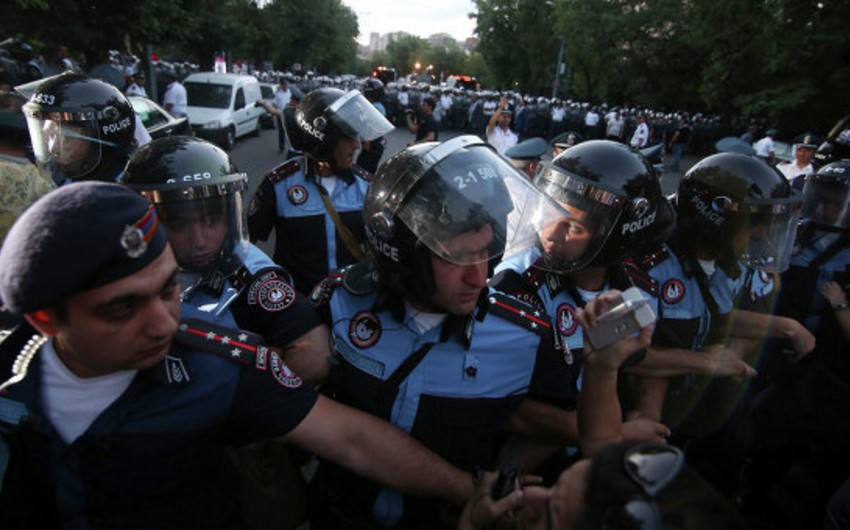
[(652, 468)]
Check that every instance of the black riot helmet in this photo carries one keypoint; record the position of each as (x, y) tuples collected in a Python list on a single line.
[(373, 89), (81, 128), (728, 192), (428, 194), (602, 192), (198, 195), (327, 114), (826, 196), (837, 144)]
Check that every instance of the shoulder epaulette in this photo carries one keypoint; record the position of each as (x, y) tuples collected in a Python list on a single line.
[(236, 345), (639, 277), (324, 290), (517, 285), (283, 171), (362, 173), (652, 259), (519, 313)]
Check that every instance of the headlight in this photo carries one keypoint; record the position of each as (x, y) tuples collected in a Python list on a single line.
[(212, 125)]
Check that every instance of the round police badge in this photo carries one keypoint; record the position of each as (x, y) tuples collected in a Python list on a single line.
[(297, 194), (672, 291), (282, 373), (133, 241), (275, 294), (567, 323), (364, 329)]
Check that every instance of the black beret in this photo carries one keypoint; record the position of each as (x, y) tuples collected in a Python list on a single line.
[(75, 238)]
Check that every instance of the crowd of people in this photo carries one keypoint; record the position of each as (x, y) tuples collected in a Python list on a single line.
[(440, 341)]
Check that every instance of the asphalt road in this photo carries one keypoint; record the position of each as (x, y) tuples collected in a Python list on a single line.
[(257, 156)]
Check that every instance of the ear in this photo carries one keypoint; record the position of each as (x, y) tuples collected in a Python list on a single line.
[(44, 320)]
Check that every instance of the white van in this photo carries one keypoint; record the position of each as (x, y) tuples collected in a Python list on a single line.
[(222, 106)]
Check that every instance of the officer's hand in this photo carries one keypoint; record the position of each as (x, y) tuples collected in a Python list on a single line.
[(833, 293), (802, 341), (615, 354), (482, 511), (723, 361), (645, 430)]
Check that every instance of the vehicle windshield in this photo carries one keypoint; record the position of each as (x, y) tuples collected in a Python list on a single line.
[(208, 95)]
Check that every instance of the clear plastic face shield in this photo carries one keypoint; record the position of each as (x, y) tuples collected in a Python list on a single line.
[(770, 234), (204, 223), (357, 117), (573, 223), (826, 201), (458, 200), (67, 145)]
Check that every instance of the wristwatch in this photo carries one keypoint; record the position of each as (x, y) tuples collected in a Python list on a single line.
[(839, 307)]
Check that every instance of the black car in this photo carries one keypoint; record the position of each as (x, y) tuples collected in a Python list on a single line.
[(157, 121)]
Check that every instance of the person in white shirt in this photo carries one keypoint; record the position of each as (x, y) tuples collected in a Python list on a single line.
[(499, 133), (174, 100), (137, 87), (797, 170), (641, 134), (765, 148), (282, 98)]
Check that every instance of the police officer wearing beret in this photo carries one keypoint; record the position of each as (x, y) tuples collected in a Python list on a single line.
[(108, 421), (526, 155)]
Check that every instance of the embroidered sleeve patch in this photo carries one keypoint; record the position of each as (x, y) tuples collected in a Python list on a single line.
[(271, 292)]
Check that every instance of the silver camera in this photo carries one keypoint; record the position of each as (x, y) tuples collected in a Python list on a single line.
[(627, 317)]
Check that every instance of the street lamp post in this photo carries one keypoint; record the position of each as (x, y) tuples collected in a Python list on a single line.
[(558, 68)]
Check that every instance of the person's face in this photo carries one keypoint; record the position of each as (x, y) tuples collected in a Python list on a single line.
[(804, 156), (504, 120), (140, 81), (345, 151), (124, 325), (426, 109), (196, 234), (66, 144), (458, 283), (567, 238)]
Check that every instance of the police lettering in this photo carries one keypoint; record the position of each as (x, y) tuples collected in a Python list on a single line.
[(115, 127), (640, 224), (706, 211), (312, 131), (383, 247)]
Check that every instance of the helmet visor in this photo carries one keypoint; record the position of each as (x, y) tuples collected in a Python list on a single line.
[(357, 117), (64, 148), (575, 221), (772, 231), (204, 224), (461, 208), (826, 202)]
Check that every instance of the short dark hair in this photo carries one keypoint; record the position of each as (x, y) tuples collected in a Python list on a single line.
[(431, 102)]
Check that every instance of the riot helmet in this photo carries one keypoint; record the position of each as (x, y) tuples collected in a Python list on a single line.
[(826, 196), (605, 204), (837, 144), (198, 196), (427, 195), (327, 114), (373, 89), (81, 128), (727, 193)]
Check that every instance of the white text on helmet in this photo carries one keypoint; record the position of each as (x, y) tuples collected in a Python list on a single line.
[(115, 127), (192, 178), (706, 211), (640, 224), (382, 246), (312, 131)]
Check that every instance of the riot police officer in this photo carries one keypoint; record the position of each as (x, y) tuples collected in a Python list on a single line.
[(314, 202), (225, 279), (372, 151), (419, 338), (81, 128)]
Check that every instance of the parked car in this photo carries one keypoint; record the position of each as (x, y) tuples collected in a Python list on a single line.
[(222, 107), (266, 119), (157, 121), (783, 151)]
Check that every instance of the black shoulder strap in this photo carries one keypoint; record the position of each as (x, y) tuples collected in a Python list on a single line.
[(389, 389), (519, 313)]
